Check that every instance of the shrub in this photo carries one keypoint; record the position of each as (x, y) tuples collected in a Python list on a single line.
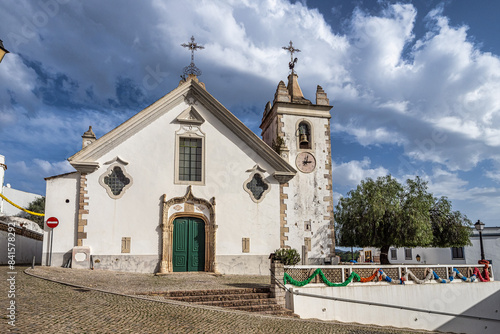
[(287, 256)]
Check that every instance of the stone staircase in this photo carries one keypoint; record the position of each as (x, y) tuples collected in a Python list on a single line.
[(244, 299)]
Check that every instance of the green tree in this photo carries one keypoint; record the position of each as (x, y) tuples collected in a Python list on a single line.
[(383, 213), (38, 206)]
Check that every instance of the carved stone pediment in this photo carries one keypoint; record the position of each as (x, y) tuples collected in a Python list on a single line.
[(190, 116)]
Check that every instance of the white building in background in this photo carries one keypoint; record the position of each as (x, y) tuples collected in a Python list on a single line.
[(453, 255), (28, 234), (19, 197)]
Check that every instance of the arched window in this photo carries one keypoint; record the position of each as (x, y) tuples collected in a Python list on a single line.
[(304, 135)]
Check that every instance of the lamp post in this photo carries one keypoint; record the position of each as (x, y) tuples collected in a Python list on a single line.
[(3, 51), (480, 227)]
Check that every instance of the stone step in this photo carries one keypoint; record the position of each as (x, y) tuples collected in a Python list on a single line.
[(224, 297), (257, 308), (240, 291), (283, 312), (239, 303), (242, 299)]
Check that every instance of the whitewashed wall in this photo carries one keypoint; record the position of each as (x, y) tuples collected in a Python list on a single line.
[(61, 202), (306, 191), (479, 300), (137, 214)]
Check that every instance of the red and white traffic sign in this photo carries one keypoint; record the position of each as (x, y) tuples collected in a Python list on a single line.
[(52, 222)]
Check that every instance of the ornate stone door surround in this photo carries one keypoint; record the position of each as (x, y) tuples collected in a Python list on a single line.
[(185, 207)]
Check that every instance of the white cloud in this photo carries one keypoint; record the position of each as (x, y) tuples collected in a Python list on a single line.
[(351, 173), (53, 168), (435, 97), (475, 202), (443, 83), (494, 175)]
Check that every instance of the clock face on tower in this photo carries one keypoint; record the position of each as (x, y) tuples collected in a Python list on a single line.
[(305, 162)]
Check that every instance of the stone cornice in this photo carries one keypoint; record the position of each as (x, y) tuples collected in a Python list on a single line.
[(283, 177), (85, 167), (290, 108)]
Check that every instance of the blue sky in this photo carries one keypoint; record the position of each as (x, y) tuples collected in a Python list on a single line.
[(414, 84)]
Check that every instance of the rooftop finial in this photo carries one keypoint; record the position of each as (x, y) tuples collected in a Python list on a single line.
[(192, 69), (291, 49)]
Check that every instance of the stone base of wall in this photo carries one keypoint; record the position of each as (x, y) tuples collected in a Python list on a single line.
[(312, 261), (58, 259), (243, 264), (226, 264), (130, 263)]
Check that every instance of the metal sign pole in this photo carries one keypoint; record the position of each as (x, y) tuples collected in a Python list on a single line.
[(51, 241)]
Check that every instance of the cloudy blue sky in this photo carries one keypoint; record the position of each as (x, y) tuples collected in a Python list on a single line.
[(415, 84)]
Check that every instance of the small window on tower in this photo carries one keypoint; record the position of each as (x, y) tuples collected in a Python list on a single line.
[(304, 136)]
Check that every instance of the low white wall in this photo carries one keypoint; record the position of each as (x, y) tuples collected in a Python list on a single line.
[(474, 307), (25, 247)]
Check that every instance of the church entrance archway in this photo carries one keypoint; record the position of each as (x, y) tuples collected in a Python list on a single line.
[(188, 244), (193, 242)]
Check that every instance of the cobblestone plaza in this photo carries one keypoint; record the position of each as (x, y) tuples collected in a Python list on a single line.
[(81, 305)]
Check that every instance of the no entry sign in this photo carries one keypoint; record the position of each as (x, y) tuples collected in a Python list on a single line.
[(52, 222)]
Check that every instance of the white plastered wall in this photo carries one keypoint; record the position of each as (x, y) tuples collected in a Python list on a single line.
[(455, 307), (150, 157), (306, 191), (62, 203)]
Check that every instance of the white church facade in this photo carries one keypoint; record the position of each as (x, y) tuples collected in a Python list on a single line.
[(185, 186)]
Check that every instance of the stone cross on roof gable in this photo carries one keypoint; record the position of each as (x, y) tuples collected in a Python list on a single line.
[(192, 69)]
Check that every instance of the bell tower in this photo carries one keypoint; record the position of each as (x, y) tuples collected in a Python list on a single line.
[(299, 131)]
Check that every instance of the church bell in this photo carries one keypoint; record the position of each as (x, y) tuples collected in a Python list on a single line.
[(303, 139), (303, 132)]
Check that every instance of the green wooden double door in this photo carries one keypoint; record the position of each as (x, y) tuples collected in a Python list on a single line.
[(189, 244)]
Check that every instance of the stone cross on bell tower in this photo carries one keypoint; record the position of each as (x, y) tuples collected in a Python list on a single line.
[(292, 50)]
